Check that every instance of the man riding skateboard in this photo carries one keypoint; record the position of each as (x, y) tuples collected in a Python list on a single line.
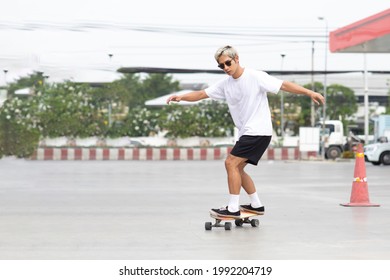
[(245, 91)]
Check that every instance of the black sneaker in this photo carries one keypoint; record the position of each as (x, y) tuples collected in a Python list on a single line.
[(249, 208), (224, 212)]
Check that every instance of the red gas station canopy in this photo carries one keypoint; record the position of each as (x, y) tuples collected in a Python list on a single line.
[(369, 35)]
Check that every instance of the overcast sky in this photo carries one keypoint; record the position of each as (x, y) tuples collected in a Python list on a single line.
[(73, 39)]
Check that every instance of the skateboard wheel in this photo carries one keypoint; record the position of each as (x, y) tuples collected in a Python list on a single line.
[(255, 223), (228, 226), (208, 226), (239, 223)]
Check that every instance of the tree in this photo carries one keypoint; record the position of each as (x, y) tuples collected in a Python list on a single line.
[(130, 91), (206, 119), (158, 84), (341, 102), (19, 134), (388, 103), (126, 97), (67, 109), (119, 94), (138, 122), (35, 81), (305, 104)]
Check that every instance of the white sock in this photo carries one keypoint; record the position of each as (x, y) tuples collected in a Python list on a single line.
[(234, 203), (255, 200)]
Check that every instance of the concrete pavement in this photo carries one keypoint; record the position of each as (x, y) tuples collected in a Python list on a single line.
[(157, 210)]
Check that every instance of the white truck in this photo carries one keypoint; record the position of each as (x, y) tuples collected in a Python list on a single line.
[(335, 142)]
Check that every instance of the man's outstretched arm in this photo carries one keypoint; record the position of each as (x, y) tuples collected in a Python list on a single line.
[(190, 96), (297, 89)]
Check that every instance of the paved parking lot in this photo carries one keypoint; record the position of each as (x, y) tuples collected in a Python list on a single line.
[(157, 210)]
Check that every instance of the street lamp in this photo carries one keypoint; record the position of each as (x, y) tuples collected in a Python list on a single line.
[(110, 55), (282, 101), (312, 113), (325, 83), (5, 76)]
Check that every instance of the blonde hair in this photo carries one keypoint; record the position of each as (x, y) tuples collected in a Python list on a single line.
[(226, 50)]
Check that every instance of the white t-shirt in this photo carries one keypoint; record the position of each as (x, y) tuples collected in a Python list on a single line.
[(247, 100)]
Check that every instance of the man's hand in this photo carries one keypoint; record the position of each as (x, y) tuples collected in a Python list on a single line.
[(317, 98), (175, 98)]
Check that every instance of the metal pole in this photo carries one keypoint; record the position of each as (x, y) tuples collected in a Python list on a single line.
[(325, 84), (365, 100), (312, 118), (5, 77), (110, 55), (282, 102)]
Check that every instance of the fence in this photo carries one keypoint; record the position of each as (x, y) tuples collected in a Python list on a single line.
[(215, 153)]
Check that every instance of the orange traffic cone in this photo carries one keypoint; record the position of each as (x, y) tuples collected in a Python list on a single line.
[(359, 195)]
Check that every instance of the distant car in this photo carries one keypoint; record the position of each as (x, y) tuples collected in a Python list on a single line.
[(223, 144), (137, 143), (378, 153)]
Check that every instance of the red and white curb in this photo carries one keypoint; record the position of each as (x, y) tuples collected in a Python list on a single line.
[(160, 154)]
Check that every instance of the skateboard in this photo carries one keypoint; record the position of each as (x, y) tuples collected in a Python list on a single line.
[(239, 221)]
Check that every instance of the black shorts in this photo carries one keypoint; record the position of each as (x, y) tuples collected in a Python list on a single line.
[(251, 147)]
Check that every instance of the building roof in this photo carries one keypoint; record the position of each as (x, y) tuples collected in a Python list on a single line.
[(369, 35)]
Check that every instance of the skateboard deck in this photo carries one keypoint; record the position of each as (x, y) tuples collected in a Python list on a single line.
[(244, 218)]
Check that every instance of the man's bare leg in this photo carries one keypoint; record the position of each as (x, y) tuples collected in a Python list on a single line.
[(233, 167), (249, 186), (246, 180)]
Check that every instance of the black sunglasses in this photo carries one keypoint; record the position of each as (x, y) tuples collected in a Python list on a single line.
[(227, 63)]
